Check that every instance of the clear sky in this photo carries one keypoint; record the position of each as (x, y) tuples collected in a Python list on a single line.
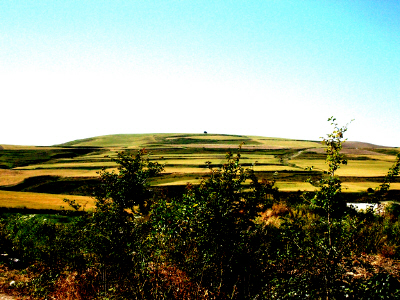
[(78, 69)]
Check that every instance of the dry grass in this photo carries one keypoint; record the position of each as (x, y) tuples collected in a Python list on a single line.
[(172, 279), (354, 187), (365, 168), (18, 147), (280, 143), (349, 151), (185, 170), (180, 182), (191, 161), (7, 275), (273, 215), (347, 187), (71, 286), (374, 156), (274, 168), (205, 156), (285, 186), (12, 177), (40, 200), (82, 165), (379, 264), (360, 168)]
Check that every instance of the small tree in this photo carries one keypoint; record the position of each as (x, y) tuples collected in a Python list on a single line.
[(329, 197), (313, 248), (116, 240), (210, 232), (130, 186)]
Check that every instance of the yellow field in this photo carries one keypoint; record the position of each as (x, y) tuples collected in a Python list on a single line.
[(184, 154), (274, 168), (180, 182), (194, 162), (12, 177), (355, 187), (185, 170), (17, 147), (380, 157), (41, 201), (83, 165), (294, 186), (347, 187), (190, 170), (286, 144), (359, 168), (284, 186)]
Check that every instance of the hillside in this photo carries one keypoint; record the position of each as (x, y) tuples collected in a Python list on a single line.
[(68, 168), (190, 140)]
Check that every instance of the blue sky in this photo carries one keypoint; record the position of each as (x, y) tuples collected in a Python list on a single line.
[(78, 69)]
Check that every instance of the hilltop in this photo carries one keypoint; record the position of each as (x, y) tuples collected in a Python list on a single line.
[(171, 140)]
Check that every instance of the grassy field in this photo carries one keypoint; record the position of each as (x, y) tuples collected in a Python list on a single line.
[(204, 140), (13, 177), (184, 157), (41, 200), (353, 168)]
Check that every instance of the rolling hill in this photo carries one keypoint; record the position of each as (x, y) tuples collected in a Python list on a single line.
[(189, 140), (67, 168)]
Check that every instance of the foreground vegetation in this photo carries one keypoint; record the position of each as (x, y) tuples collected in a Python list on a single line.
[(232, 236)]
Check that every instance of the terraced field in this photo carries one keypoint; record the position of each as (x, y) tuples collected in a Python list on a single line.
[(64, 170)]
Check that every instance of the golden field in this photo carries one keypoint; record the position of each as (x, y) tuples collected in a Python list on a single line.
[(184, 157)]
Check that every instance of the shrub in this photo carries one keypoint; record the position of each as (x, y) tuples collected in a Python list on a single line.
[(210, 233)]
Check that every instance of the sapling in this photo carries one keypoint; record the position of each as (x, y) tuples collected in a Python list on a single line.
[(328, 198)]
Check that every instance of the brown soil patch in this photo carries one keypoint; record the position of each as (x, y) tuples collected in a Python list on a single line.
[(353, 144), (379, 264), (349, 150), (8, 292), (10, 297)]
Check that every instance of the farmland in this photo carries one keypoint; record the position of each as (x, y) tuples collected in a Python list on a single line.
[(229, 235), (41, 176)]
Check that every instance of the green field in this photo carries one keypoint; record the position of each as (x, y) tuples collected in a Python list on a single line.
[(37, 172)]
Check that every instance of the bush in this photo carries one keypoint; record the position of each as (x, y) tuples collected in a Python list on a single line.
[(210, 233)]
